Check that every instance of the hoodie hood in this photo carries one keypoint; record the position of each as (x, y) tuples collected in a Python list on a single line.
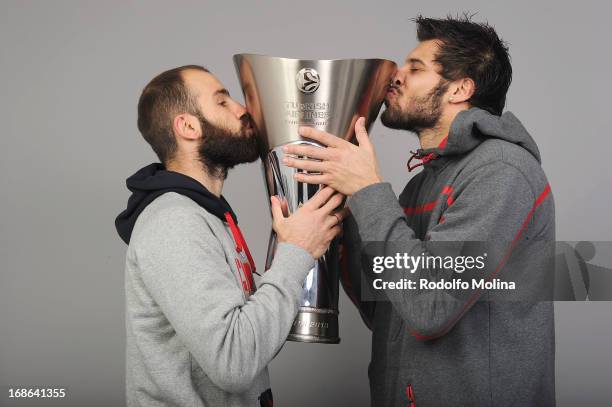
[(154, 180), (473, 126)]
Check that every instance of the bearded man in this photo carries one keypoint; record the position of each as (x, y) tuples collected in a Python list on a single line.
[(481, 181), (198, 331)]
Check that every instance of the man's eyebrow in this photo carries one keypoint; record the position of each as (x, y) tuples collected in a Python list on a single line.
[(221, 92), (415, 61)]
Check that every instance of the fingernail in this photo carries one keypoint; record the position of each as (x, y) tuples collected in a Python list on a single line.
[(285, 149), (301, 130), (285, 160)]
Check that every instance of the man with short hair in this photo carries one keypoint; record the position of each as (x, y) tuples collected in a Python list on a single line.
[(198, 331), (481, 180)]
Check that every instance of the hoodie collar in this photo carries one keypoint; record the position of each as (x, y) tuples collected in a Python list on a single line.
[(470, 128), (153, 181)]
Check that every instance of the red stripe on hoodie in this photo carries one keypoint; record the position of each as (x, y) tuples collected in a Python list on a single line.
[(545, 193), (428, 207)]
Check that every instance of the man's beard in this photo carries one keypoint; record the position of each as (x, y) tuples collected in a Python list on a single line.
[(222, 149), (425, 113)]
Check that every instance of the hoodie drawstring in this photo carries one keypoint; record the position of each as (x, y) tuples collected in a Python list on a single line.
[(424, 160), (429, 157)]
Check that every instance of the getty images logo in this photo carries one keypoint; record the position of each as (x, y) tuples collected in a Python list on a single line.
[(307, 80)]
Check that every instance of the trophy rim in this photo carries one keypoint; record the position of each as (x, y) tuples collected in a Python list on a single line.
[(270, 57)]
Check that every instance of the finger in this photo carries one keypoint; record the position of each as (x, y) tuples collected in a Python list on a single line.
[(336, 218), (361, 133), (303, 150), (332, 221), (342, 213), (304, 164), (277, 210), (310, 178), (320, 197), (333, 203), (317, 135), (285, 207), (335, 231)]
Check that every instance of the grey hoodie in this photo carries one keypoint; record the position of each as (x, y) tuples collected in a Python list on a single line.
[(197, 332), (434, 348)]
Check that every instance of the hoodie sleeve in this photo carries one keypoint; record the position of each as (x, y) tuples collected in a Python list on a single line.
[(184, 268), (492, 204)]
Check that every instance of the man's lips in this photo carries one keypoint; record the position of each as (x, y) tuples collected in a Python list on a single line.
[(391, 91), (391, 94)]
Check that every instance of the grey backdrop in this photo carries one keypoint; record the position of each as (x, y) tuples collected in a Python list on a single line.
[(70, 76)]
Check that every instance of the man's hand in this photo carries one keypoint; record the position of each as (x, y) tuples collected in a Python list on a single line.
[(314, 225), (345, 167)]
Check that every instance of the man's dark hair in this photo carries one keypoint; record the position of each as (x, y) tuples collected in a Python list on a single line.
[(161, 100), (471, 50)]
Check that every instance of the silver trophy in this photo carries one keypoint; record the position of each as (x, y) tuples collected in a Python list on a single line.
[(282, 94)]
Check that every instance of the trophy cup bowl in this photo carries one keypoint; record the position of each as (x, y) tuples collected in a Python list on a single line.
[(282, 94)]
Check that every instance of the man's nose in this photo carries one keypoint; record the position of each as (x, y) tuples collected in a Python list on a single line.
[(398, 78), (239, 110)]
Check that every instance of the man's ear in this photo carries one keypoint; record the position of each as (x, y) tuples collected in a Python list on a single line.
[(186, 126), (463, 90)]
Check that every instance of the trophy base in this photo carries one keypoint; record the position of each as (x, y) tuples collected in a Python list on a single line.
[(315, 325)]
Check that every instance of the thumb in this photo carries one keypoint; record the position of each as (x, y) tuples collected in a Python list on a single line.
[(285, 207), (277, 210), (361, 133)]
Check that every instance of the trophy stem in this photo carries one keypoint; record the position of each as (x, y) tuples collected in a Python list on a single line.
[(317, 317)]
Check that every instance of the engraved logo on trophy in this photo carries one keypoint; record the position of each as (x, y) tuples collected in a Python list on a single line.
[(307, 80)]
